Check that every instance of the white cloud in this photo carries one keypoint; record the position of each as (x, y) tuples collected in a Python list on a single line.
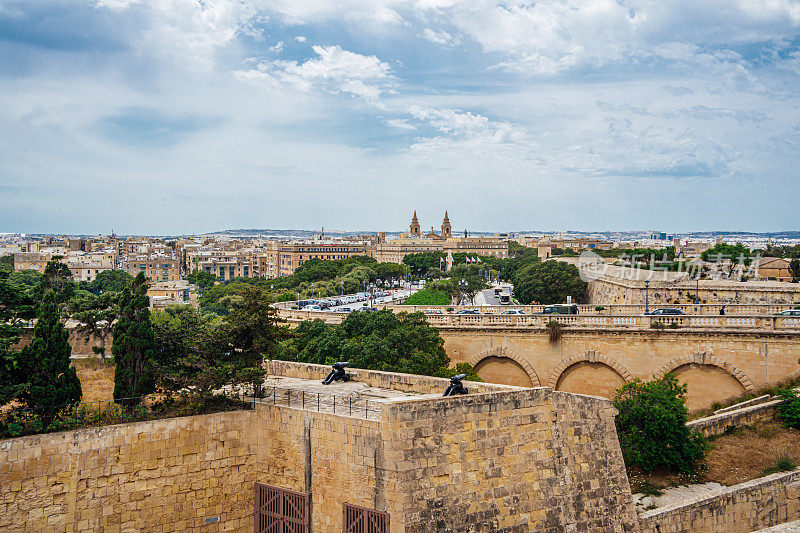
[(334, 70), (189, 33), (277, 48), (401, 124), (116, 5), (300, 39), (441, 37)]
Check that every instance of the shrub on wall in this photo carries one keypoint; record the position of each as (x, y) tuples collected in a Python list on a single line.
[(652, 426), (554, 331)]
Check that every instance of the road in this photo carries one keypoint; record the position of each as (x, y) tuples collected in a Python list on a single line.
[(396, 295), (487, 297)]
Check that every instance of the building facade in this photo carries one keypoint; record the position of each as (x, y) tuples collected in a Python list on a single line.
[(412, 242), (282, 258), (154, 268)]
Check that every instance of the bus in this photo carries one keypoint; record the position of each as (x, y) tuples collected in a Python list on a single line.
[(505, 297)]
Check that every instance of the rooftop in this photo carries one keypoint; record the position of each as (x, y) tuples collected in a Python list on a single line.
[(365, 395)]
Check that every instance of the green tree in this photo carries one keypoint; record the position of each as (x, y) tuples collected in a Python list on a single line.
[(58, 278), (133, 348), (316, 270), (549, 282), (110, 281), (95, 316), (380, 341), (203, 280), (387, 271), (249, 334), (7, 263), (794, 268), (651, 425), (789, 410), (15, 305), (44, 377), (26, 280), (727, 251), (190, 353), (419, 263)]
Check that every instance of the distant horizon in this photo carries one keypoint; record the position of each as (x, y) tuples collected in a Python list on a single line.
[(391, 232)]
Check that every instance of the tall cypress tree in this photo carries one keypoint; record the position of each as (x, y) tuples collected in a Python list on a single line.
[(43, 369), (134, 343)]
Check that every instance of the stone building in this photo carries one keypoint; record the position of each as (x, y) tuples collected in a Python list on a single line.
[(412, 242), (283, 258)]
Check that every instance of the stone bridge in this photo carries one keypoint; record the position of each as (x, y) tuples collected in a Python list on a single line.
[(716, 356)]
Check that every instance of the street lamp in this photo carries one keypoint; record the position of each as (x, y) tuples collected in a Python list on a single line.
[(342, 282), (646, 306), (462, 286), (697, 289)]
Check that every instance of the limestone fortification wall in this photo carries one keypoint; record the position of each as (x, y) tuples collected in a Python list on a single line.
[(742, 508), (720, 422), (533, 460), (337, 459), (614, 288), (716, 365), (507, 459), (80, 343), (163, 475)]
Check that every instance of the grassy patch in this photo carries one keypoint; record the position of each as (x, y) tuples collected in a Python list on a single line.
[(783, 463), (647, 488), (428, 297), (752, 452)]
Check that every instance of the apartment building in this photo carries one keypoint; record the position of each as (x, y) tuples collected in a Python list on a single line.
[(225, 268), (85, 266), (282, 259), (155, 268)]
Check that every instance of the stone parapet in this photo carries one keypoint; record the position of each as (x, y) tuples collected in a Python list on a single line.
[(742, 508)]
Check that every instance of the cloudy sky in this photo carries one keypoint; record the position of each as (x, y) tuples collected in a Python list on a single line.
[(177, 116)]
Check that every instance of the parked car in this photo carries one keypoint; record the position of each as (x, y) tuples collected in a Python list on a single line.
[(666, 311), (433, 312), (560, 309), (312, 307), (790, 312), (342, 310), (513, 312), (468, 312), (367, 309)]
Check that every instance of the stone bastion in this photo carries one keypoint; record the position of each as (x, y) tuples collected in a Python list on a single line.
[(383, 448)]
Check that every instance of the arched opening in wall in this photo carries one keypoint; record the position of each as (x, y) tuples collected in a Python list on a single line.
[(503, 370), (595, 379), (706, 384)]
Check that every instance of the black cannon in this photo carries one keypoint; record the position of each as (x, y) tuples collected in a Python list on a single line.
[(337, 373), (456, 387)]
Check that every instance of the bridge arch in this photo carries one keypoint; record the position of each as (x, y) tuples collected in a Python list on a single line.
[(705, 358), (501, 352), (593, 357)]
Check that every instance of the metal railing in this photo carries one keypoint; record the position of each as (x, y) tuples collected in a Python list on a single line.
[(349, 405)]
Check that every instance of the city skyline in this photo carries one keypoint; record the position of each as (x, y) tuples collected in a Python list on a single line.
[(177, 117)]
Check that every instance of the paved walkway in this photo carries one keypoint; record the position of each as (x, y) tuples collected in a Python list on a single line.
[(788, 527)]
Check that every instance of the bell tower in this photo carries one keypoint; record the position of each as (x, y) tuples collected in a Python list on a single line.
[(447, 231), (414, 230)]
